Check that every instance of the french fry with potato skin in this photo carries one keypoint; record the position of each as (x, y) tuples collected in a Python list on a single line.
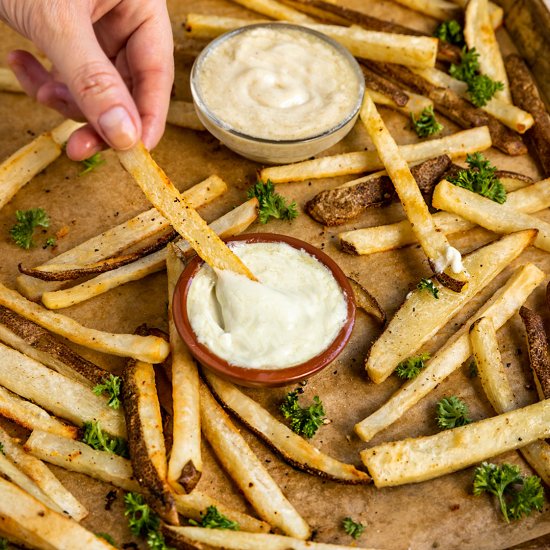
[(414, 106), (275, 10)]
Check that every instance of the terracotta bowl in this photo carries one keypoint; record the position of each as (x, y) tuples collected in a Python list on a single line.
[(262, 377)]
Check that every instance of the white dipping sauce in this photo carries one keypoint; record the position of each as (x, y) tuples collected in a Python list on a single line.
[(278, 84), (292, 314)]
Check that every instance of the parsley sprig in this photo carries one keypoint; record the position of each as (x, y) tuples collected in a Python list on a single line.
[(303, 420), (212, 519), (452, 412), (4, 544), (411, 367), (352, 528), (427, 284), (91, 163), (271, 204), (426, 124), (450, 31), (480, 178), (111, 387), (97, 439), (517, 495), (27, 222)]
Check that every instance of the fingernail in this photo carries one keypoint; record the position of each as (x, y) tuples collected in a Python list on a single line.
[(118, 127)]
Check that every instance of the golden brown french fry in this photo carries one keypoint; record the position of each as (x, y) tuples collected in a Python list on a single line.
[(504, 303), (479, 34), (418, 459), (438, 9), (488, 213), (415, 105), (34, 524), (291, 447), (366, 301), (496, 13), (147, 348), (8, 81), (183, 217), (117, 238), (421, 316), (529, 199), (247, 471), (182, 113), (275, 10), (454, 145), (63, 396)]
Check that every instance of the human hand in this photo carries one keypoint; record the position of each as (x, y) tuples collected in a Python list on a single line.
[(112, 66)]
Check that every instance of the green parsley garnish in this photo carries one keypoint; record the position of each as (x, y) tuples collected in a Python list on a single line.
[(4, 544), (111, 387), (212, 519), (91, 163), (411, 367), (480, 178), (517, 495), (352, 528), (50, 241), (450, 31), (452, 412), (427, 284), (96, 439), (468, 66), (303, 421), (27, 221), (271, 204), (426, 124), (107, 537), (2, 449)]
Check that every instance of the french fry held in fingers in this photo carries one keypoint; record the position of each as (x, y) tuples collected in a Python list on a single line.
[(504, 303), (42, 476), (182, 113), (182, 216), (275, 10), (117, 238), (247, 471), (147, 348), (185, 463), (488, 213), (8, 81), (421, 315), (31, 523), (529, 199), (454, 145), (434, 243), (290, 446)]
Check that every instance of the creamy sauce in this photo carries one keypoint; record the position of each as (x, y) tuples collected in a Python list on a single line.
[(452, 258), (292, 314), (278, 84)]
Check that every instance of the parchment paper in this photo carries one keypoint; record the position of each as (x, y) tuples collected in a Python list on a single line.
[(436, 514)]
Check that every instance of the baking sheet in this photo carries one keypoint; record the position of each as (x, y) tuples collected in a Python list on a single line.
[(435, 514)]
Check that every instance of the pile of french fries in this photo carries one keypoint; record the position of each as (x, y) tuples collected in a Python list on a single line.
[(166, 463)]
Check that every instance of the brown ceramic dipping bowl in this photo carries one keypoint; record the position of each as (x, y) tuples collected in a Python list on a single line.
[(262, 377)]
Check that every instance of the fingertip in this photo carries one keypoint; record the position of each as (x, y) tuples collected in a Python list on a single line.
[(84, 143), (153, 129), (118, 127)]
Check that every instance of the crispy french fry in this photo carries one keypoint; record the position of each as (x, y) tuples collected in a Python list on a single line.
[(367, 302), (182, 113), (438, 9), (183, 217), (308, 7), (42, 476), (247, 471), (185, 464), (496, 13), (421, 316), (455, 145), (291, 447), (529, 199), (32, 523), (487, 213), (389, 89), (117, 238), (433, 242), (504, 303), (418, 459), (63, 396), (8, 81), (275, 10), (147, 348), (415, 105), (479, 34)]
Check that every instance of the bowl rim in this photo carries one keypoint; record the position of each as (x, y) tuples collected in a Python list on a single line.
[(205, 111), (262, 377)]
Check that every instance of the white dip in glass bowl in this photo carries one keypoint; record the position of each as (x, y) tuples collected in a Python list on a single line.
[(277, 93)]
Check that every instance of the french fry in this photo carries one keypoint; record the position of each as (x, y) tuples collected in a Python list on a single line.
[(487, 213), (62, 396), (504, 303), (34, 524), (308, 7), (275, 10), (530, 199), (387, 88), (42, 476), (454, 145), (183, 217), (415, 104), (421, 316), (24, 164), (434, 243), (293, 448), (185, 464), (147, 348), (479, 34), (366, 301), (438, 9), (145, 437), (496, 13), (8, 81), (117, 238), (247, 471), (182, 113)]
